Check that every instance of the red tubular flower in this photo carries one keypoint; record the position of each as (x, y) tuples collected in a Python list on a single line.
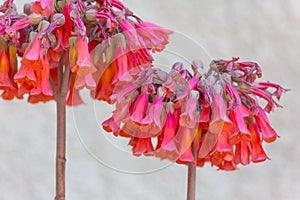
[(192, 84), (105, 79), (257, 152), (84, 66), (74, 98), (240, 130), (123, 68), (141, 146), (43, 85), (110, 125), (43, 7), (12, 91), (189, 118), (242, 152), (227, 165), (121, 114), (208, 117), (4, 65), (68, 26), (154, 114), (184, 140), (26, 77), (131, 34), (268, 133), (139, 108), (219, 124), (169, 130), (205, 112), (152, 36), (34, 73)]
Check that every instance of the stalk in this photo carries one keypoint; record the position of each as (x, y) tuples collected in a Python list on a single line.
[(191, 183), (61, 95)]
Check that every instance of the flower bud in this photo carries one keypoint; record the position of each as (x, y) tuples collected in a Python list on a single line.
[(91, 15), (27, 8), (59, 19), (34, 18), (32, 36), (43, 25), (72, 51)]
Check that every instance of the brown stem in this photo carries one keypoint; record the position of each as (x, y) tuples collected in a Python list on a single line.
[(191, 186), (191, 182), (61, 94), (60, 147)]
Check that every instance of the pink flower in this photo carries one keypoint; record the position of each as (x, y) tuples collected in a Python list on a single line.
[(4, 65), (122, 65), (105, 85), (154, 114), (139, 108), (43, 7), (189, 118), (183, 140), (73, 98), (240, 130), (169, 130), (242, 152), (84, 66), (34, 73), (220, 123), (257, 152), (152, 36), (268, 133), (205, 112), (141, 146), (191, 85), (9, 90), (202, 118), (131, 34), (219, 109), (110, 125)]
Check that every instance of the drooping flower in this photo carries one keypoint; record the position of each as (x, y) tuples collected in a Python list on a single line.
[(4, 65), (169, 130), (33, 75), (139, 108), (84, 66), (268, 133), (43, 7), (12, 91), (141, 146), (200, 118), (153, 36)]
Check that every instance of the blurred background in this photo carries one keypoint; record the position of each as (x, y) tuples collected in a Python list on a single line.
[(99, 166)]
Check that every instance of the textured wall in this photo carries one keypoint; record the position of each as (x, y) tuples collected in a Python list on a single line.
[(265, 31)]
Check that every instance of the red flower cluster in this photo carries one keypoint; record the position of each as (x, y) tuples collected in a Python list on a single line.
[(205, 117), (98, 41), (201, 117)]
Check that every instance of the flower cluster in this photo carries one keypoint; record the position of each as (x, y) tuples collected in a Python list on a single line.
[(99, 41), (202, 117)]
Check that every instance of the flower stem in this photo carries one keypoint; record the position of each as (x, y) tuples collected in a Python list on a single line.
[(61, 94), (60, 147), (191, 183)]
